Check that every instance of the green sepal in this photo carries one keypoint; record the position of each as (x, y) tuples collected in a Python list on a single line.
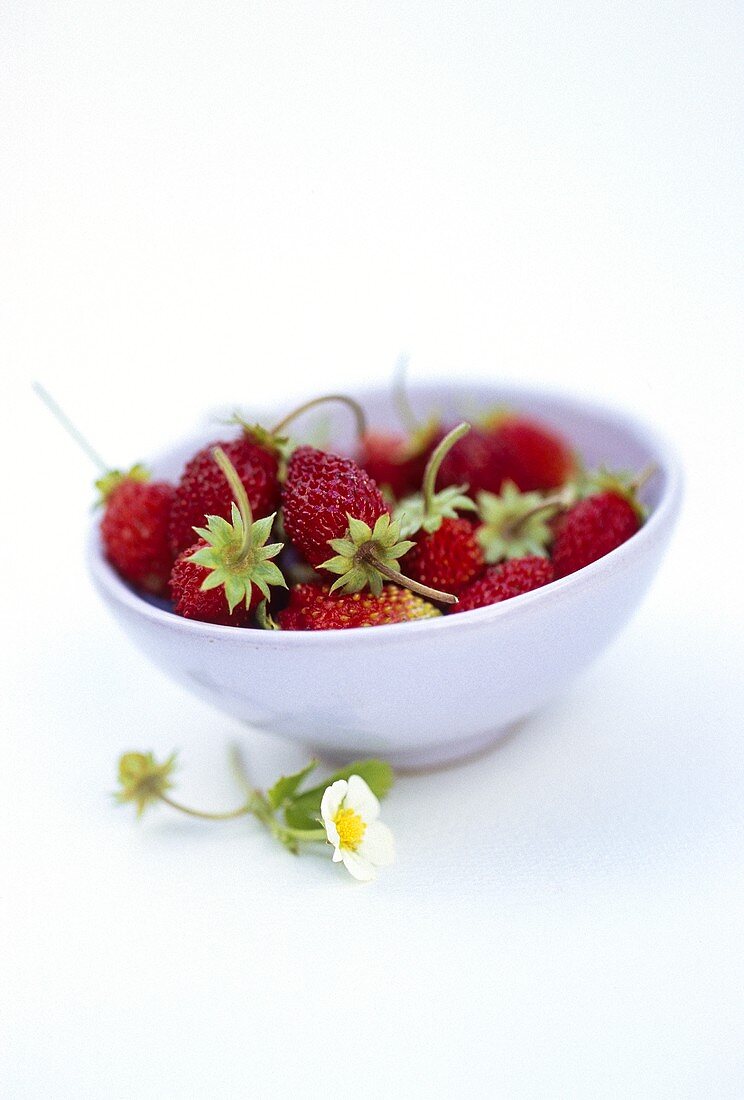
[(142, 780), (413, 516), (303, 812), (112, 479), (284, 788), (622, 482), (354, 571), (238, 559), (491, 419), (280, 445), (501, 514)]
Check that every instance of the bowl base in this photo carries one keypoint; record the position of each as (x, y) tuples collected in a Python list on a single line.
[(434, 756)]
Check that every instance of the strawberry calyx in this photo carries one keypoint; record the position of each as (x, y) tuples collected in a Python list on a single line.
[(112, 479), (426, 510), (620, 482), (236, 553), (270, 441), (362, 550), (515, 524), (492, 419), (367, 555)]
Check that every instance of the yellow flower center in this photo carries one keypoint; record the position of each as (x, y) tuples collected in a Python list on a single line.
[(350, 829)]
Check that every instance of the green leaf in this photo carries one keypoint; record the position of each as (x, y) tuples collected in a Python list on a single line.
[(284, 788), (303, 812), (377, 774)]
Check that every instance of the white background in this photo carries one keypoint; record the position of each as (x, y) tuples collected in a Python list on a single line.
[(237, 202)]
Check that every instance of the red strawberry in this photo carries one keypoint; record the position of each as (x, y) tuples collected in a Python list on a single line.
[(331, 503), (509, 448), (396, 462), (225, 575), (204, 491), (134, 528), (320, 493), (315, 607), (503, 582), (207, 605), (591, 529), (539, 458), (448, 558), (479, 461), (446, 554)]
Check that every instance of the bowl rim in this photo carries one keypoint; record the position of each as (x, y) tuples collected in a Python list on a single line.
[(664, 512)]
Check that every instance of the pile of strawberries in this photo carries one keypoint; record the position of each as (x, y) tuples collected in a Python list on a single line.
[(260, 533)]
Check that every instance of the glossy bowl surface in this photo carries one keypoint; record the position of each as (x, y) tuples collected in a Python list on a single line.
[(426, 692)]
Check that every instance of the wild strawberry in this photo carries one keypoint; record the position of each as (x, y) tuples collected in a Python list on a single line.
[(448, 558), (503, 582), (592, 528), (315, 607), (517, 525), (222, 577), (480, 461), (396, 462), (539, 457), (332, 503), (203, 489), (208, 605), (256, 455), (508, 447), (320, 492), (134, 527), (446, 554)]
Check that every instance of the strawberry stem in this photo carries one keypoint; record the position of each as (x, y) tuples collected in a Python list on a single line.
[(401, 398), (227, 815), (435, 461), (559, 501), (356, 408), (69, 427), (406, 582), (241, 499), (645, 476)]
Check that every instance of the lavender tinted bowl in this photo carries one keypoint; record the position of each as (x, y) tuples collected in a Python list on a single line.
[(436, 690)]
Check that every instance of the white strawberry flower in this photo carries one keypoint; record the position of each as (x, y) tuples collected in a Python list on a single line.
[(362, 843)]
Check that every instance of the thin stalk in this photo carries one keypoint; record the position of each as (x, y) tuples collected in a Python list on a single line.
[(302, 834), (400, 396), (62, 418), (559, 501), (264, 813), (406, 582), (435, 461), (645, 476), (227, 815), (356, 408), (241, 498)]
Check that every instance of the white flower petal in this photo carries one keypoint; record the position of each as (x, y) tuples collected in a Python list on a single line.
[(332, 833), (357, 866), (378, 845), (332, 798), (361, 799), (337, 856)]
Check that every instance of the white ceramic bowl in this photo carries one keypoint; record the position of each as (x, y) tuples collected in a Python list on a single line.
[(426, 692)]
